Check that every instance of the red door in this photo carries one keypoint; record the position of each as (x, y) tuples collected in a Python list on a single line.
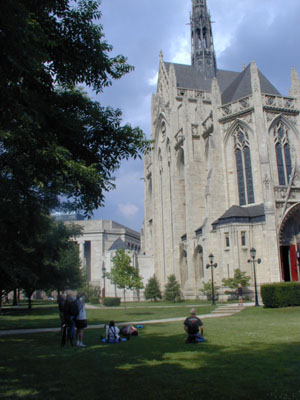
[(294, 264)]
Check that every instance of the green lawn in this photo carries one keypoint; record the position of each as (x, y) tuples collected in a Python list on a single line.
[(47, 316), (252, 355)]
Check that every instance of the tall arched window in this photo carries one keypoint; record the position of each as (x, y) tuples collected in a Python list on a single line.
[(283, 154), (243, 166)]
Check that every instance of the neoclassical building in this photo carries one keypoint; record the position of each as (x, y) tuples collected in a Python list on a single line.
[(223, 175), (98, 243)]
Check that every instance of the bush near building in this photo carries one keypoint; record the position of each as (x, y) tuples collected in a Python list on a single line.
[(152, 289), (112, 301), (284, 294), (172, 290)]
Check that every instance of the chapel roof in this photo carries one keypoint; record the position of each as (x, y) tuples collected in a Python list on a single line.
[(248, 214), (233, 85)]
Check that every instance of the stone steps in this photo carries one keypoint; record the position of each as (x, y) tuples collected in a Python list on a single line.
[(227, 310)]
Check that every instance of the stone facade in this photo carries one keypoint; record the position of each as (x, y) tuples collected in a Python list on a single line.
[(223, 174), (98, 244)]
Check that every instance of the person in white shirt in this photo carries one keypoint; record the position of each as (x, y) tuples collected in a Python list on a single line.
[(112, 332), (80, 321)]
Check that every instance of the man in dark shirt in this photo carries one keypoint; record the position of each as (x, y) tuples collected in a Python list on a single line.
[(191, 326)]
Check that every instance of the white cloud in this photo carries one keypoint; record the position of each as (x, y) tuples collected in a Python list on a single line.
[(153, 81), (181, 50), (128, 210)]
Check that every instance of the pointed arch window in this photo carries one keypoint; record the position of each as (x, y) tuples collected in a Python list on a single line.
[(243, 166), (283, 153)]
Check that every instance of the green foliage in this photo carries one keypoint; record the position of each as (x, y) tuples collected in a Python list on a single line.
[(152, 289), (123, 274), (49, 259), (112, 301), (239, 277), (55, 142), (94, 300), (172, 289), (284, 294), (207, 288)]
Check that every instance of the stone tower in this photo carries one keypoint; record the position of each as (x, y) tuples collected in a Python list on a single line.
[(203, 52), (223, 175)]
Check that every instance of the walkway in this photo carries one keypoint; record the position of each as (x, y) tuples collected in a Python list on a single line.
[(224, 310)]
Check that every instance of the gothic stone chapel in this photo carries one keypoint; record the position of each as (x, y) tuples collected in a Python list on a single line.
[(223, 175)]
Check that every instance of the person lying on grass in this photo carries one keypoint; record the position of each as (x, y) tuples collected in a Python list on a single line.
[(128, 331), (191, 326)]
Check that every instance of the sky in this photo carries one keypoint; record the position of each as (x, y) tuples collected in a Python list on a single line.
[(266, 31)]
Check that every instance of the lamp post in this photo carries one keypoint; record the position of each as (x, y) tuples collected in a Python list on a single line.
[(298, 262), (212, 266), (103, 276), (258, 261)]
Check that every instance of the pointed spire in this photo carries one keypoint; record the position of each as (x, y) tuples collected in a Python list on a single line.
[(295, 84), (203, 52)]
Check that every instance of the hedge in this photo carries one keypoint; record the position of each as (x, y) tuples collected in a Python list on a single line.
[(94, 300), (111, 301), (284, 294)]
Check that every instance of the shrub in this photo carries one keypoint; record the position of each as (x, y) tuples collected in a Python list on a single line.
[(152, 289), (285, 294), (207, 289), (111, 301), (172, 290), (94, 300)]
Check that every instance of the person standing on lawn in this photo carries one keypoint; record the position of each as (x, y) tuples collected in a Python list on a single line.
[(192, 325), (80, 321), (240, 294)]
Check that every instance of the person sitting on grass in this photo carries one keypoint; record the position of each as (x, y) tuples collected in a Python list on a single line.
[(191, 326), (128, 331), (112, 332)]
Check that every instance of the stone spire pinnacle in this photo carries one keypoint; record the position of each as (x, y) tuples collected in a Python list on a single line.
[(203, 52)]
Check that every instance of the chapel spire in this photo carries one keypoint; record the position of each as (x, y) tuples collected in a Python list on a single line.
[(203, 52)]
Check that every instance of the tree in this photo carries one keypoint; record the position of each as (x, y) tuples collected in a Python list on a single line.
[(152, 289), (44, 265), (67, 271), (238, 277), (58, 148), (172, 289), (207, 289), (122, 274)]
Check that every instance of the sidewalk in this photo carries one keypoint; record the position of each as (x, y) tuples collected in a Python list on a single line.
[(232, 309)]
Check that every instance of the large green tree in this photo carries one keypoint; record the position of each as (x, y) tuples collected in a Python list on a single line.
[(57, 146), (50, 258)]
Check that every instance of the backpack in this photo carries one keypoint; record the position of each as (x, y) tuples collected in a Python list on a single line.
[(74, 308)]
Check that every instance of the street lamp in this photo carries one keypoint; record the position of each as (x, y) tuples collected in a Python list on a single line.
[(212, 266), (253, 255), (298, 262), (103, 276)]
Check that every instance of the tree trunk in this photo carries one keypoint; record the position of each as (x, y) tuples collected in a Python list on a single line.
[(124, 298), (1, 295), (29, 294), (15, 300)]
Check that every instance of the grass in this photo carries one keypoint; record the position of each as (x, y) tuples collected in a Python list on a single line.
[(46, 316), (251, 355)]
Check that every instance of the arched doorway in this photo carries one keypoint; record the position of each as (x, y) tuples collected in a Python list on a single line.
[(289, 240)]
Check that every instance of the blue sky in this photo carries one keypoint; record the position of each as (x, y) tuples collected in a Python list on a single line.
[(267, 31)]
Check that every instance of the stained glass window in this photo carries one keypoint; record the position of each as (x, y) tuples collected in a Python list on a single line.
[(283, 154), (243, 167)]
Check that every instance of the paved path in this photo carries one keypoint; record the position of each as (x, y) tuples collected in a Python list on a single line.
[(224, 310)]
